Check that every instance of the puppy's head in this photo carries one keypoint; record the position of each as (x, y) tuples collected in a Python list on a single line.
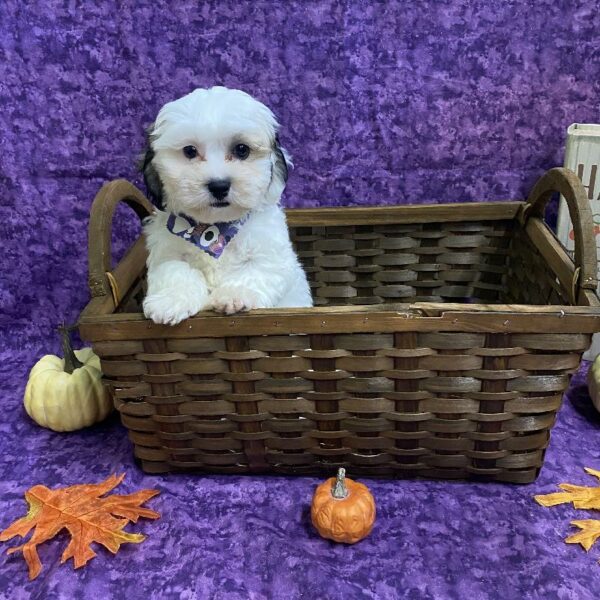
[(214, 155)]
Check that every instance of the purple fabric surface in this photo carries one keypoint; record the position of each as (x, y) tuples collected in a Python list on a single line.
[(380, 103), (251, 537)]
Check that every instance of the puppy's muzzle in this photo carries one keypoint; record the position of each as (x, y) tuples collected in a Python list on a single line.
[(219, 188)]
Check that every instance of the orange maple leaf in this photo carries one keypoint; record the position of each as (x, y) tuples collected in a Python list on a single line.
[(580, 496), (590, 532), (88, 518)]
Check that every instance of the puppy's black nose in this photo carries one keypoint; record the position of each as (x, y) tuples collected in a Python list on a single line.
[(219, 188)]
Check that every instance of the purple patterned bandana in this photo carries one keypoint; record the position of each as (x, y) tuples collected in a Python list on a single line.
[(211, 238)]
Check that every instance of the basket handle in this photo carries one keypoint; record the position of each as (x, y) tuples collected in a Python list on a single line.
[(567, 183), (100, 279)]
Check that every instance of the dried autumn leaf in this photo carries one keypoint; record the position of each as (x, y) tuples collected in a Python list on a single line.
[(589, 534), (580, 496), (88, 518), (592, 472)]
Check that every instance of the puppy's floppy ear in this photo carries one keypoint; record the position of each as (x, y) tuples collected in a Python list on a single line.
[(152, 181), (282, 163)]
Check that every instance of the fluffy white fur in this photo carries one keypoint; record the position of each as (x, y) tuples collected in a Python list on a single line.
[(258, 268)]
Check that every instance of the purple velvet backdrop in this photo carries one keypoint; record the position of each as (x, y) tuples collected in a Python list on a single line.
[(407, 101)]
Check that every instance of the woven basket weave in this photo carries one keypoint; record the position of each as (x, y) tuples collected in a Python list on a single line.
[(440, 345)]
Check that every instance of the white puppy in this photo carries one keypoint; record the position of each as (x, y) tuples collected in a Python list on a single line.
[(215, 166)]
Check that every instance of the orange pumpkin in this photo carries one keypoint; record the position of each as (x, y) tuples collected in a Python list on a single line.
[(343, 510)]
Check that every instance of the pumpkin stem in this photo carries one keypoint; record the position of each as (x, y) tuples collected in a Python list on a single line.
[(339, 489), (71, 361)]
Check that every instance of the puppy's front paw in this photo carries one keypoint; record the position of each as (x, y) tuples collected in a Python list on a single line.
[(230, 299), (170, 307)]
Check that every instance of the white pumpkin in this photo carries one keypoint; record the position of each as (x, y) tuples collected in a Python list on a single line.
[(67, 394)]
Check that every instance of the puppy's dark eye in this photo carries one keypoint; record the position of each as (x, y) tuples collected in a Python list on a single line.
[(190, 152), (241, 151)]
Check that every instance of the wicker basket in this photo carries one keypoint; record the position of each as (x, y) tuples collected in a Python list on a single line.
[(441, 344)]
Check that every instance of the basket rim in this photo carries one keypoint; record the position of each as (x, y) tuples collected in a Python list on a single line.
[(338, 216), (395, 318)]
